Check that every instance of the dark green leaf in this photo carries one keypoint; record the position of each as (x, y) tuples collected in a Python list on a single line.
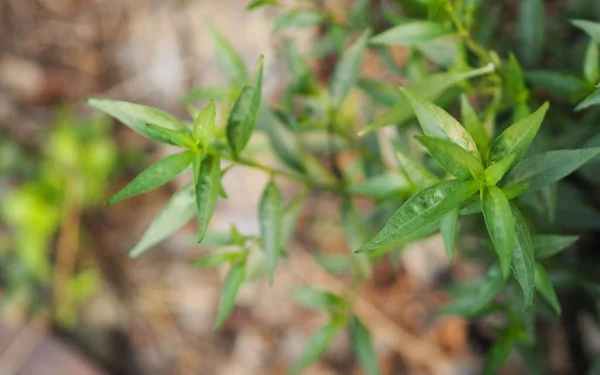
[(215, 259), (544, 286), (207, 183), (558, 84), (498, 354), (531, 31), (229, 60), (517, 137), (231, 287), (177, 212), (155, 175), (348, 68), (270, 218), (136, 116), (496, 171), (523, 264), (362, 345), (591, 28), (316, 299), (454, 159), (547, 245), (429, 89), (204, 125), (448, 226), (532, 357), (591, 63), (546, 168), (437, 123), (410, 33), (421, 209), (500, 224), (590, 101), (317, 345), (298, 19), (170, 136), (474, 125), (242, 118)]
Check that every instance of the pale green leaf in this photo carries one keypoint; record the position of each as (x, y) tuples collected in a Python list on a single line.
[(474, 125), (270, 220), (169, 136), (155, 175), (207, 183), (290, 218), (297, 19), (347, 70), (379, 91), (317, 345), (207, 93), (215, 259), (229, 60), (500, 224), (454, 159), (448, 226), (382, 186), (416, 173), (590, 27), (590, 101), (591, 63), (316, 299), (496, 171), (231, 287), (421, 209), (410, 33), (204, 125)]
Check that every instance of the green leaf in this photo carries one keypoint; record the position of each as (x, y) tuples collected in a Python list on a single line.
[(177, 212), (514, 190), (208, 93), (428, 89), (215, 259), (517, 137), (270, 218), (590, 101), (416, 173), (259, 3), (207, 183), (380, 91), (531, 31), (498, 354), (229, 60), (155, 175), (362, 345), (170, 136), (515, 81), (474, 125), (591, 63), (204, 125), (546, 168), (591, 28), (500, 224), (242, 118), (347, 70), (454, 159), (290, 218), (298, 19), (382, 186), (496, 171), (547, 245), (316, 299), (231, 287), (523, 260), (410, 34), (317, 345), (448, 226), (355, 228), (437, 123), (544, 286), (477, 301), (421, 209), (558, 84), (136, 116)]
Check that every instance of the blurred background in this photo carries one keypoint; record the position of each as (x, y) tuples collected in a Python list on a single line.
[(72, 302)]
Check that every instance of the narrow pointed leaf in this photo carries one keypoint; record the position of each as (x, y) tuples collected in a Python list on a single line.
[(316, 299), (347, 70), (590, 27), (136, 116), (270, 217), (474, 125), (454, 159), (558, 84), (523, 263), (590, 101), (517, 137), (355, 229), (410, 33), (531, 31), (290, 218), (544, 286), (591, 63), (448, 226), (209, 93), (155, 176), (547, 245), (498, 354), (383, 186), (298, 19), (231, 287), (229, 60), (549, 167), (416, 173), (500, 224), (362, 345), (204, 125), (380, 92), (515, 81), (317, 346), (177, 212), (215, 259), (428, 89), (242, 118), (496, 171), (421, 209), (437, 123), (170, 136), (207, 184)]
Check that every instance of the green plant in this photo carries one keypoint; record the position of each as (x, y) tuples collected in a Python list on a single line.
[(495, 170)]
